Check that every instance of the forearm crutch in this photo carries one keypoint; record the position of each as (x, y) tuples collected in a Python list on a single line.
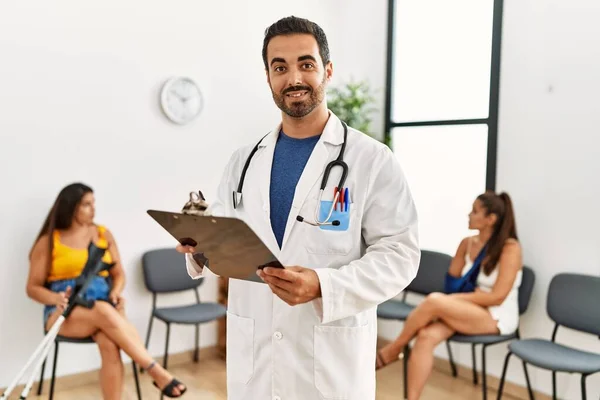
[(92, 268)]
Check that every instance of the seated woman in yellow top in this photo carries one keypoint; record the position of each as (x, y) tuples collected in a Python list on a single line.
[(57, 258)]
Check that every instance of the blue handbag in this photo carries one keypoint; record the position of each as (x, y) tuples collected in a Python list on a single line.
[(467, 282)]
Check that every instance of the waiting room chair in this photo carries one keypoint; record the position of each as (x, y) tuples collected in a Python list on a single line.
[(430, 278), (62, 339), (572, 302), (525, 291), (165, 272)]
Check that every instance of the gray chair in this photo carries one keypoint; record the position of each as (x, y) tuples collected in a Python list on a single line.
[(430, 278), (525, 291), (63, 339), (572, 302), (164, 272)]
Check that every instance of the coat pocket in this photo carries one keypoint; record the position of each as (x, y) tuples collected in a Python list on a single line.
[(240, 348), (329, 239), (342, 357)]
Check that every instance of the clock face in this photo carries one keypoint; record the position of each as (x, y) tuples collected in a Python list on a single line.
[(181, 100)]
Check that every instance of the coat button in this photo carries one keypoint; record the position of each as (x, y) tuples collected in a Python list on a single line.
[(276, 398), (278, 335)]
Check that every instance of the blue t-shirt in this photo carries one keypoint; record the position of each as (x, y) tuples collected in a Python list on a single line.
[(289, 160)]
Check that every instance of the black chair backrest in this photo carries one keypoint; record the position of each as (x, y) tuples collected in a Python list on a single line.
[(165, 272), (432, 273), (526, 289), (573, 302)]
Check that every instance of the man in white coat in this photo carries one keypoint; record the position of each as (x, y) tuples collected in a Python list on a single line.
[(310, 332)]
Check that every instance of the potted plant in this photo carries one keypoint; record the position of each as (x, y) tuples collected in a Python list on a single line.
[(353, 102)]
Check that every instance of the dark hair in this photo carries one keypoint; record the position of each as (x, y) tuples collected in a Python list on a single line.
[(294, 25), (505, 227), (61, 213)]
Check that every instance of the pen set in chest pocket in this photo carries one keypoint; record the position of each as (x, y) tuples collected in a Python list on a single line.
[(340, 210)]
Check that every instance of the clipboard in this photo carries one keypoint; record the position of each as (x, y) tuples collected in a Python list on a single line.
[(232, 248)]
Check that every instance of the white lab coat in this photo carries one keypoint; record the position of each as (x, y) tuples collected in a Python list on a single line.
[(324, 349)]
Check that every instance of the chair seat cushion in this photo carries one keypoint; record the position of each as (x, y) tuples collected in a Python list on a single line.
[(482, 339), (64, 339), (553, 356), (394, 309), (192, 314)]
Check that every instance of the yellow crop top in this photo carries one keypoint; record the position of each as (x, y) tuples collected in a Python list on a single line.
[(68, 262)]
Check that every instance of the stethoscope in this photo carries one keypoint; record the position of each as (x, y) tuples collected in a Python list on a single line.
[(339, 161)]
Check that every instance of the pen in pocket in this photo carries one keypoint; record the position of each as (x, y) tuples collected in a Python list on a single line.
[(346, 199)]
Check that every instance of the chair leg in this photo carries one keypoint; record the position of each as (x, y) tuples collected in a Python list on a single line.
[(197, 349), (41, 382), (583, 391), (529, 389), (137, 380), (501, 385), (167, 346), (405, 371), (51, 395), (165, 360), (148, 336), (451, 360), (554, 385), (483, 373), (474, 364)]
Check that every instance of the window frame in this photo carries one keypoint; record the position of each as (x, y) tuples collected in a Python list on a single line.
[(491, 121)]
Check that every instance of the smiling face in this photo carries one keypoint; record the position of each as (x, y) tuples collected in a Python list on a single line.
[(296, 74)]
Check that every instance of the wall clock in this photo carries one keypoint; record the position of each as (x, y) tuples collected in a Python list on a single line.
[(181, 100)]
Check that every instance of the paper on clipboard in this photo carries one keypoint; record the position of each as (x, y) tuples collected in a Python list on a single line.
[(232, 248)]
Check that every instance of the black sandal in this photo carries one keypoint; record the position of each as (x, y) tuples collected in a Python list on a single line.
[(380, 362), (171, 386)]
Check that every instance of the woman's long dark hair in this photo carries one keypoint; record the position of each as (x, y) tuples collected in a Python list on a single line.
[(505, 227), (61, 213)]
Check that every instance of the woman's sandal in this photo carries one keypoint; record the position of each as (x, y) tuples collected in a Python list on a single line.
[(380, 363), (171, 386)]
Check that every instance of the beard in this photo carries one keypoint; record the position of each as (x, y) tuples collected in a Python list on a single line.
[(299, 109)]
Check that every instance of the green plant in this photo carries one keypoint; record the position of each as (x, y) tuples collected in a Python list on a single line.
[(353, 103)]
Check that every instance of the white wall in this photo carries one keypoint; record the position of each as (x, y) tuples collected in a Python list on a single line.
[(547, 156), (549, 120), (79, 88)]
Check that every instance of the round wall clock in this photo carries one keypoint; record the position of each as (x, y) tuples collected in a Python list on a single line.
[(181, 100)]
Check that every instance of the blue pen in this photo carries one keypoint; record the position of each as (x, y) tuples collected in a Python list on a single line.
[(346, 199)]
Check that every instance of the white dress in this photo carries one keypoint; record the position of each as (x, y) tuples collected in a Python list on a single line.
[(507, 313)]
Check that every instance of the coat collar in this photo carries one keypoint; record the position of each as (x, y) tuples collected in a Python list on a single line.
[(333, 132)]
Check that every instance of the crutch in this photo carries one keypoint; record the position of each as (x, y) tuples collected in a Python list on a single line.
[(93, 266)]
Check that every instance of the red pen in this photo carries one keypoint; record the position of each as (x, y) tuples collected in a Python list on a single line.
[(341, 199), (335, 201)]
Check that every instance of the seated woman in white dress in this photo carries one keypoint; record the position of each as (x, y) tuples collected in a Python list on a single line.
[(491, 309)]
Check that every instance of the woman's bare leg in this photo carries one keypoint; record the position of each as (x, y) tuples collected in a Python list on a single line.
[(84, 322), (420, 363), (460, 315), (111, 371)]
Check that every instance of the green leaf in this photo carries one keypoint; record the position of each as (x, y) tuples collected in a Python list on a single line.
[(353, 102)]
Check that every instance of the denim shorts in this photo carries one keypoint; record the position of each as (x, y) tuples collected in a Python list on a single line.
[(98, 289)]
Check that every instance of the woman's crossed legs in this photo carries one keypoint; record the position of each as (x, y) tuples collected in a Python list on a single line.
[(437, 318), (112, 332)]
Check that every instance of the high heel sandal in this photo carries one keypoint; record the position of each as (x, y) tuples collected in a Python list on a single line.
[(171, 386), (380, 362)]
